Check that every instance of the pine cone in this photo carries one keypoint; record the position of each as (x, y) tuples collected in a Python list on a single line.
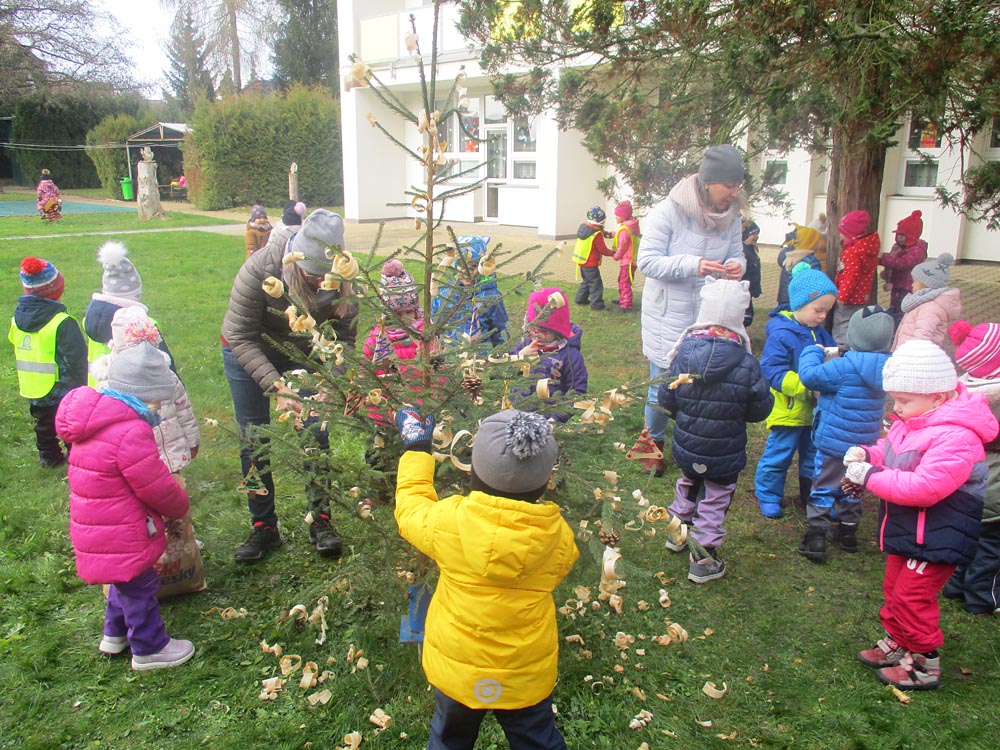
[(473, 385), (609, 538), (852, 490)]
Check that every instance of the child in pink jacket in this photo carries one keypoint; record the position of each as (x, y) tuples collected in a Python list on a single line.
[(625, 246), (930, 475), (120, 494), (932, 306)]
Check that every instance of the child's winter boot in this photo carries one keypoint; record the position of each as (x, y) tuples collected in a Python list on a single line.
[(707, 569), (845, 536), (885, 653), (174, 654), (914, 672), (112, 645), (814, 544)]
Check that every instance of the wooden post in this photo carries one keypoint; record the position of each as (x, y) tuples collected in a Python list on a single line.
[(149, 192), (293, 182)]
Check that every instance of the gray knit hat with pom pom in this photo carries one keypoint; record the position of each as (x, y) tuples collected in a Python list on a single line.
[(514, 451)]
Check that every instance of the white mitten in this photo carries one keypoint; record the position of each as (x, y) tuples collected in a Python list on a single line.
[(858, 472), (854, 454)]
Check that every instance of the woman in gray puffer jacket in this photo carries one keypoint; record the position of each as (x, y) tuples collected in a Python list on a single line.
[(254, 365), (692, 234)]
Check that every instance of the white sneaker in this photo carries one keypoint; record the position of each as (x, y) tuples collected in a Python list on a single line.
[(175, 653), (112, 644)]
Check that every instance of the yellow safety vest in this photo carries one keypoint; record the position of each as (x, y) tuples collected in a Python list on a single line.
[(35, 356), (635, 247), (96, 350)]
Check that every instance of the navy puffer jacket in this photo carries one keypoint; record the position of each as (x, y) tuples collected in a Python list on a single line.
[(710, 435), (851, 402)]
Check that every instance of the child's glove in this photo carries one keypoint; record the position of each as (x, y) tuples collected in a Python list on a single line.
[(415, 430), (859, 471), (854, 454)]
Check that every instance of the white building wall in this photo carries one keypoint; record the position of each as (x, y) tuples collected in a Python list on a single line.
[(376, 172)]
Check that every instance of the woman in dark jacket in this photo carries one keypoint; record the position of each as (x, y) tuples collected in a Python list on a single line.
[(254, 365)]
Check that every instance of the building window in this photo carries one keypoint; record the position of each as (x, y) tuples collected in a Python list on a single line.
[(775, 173), (494, 111), (923, 135), (995, 133), (920, 161), (920, 174)]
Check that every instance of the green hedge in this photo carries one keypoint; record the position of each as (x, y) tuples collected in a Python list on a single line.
[(110, 163), (63, 119), (239, 150)]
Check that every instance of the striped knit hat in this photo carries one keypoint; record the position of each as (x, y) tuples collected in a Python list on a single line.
[(41, 279), (977, 349)]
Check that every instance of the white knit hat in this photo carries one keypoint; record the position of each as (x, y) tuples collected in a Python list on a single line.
[(919, 366), (723, 303)]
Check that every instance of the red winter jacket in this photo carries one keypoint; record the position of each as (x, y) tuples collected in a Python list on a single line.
[(119, 489), (856, 269)]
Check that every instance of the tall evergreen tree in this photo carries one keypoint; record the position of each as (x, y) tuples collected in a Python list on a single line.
[(650, 83), (189, 76), (305, 49)]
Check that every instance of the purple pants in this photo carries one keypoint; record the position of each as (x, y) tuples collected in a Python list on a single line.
[(134, 611), (702, 504)]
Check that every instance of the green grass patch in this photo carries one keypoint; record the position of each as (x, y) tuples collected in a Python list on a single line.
[(70, 223), (780, 631)]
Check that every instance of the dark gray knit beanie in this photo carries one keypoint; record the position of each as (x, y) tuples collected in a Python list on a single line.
[(721, 164), (514, 451), (871, 330)]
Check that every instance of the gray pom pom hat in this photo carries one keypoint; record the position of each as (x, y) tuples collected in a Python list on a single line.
[(514, 451)]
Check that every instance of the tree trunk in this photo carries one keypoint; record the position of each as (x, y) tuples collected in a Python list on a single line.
[(149, 193), (235, 45), (293, 182), (856, 168)]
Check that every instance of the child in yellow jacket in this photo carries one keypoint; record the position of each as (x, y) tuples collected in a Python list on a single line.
[(491, 641)]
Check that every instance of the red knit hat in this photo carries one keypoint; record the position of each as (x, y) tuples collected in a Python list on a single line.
[(911, 227), (547, 308), (977, 349), (854, 224), (41, 279)]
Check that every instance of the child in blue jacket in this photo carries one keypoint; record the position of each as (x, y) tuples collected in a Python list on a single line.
[(811, 296), (711, 412), (470, 299), (850, 409)]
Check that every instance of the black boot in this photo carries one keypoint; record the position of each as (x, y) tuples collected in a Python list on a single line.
[(805, 489), (321, 534), (845, 536), (814, 545), (261, 539)]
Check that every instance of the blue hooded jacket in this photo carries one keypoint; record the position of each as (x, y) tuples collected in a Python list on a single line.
[(851, 402)]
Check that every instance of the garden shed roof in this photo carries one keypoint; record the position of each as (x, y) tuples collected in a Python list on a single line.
[(161, 132)]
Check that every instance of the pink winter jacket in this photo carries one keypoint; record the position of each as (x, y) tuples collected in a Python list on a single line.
[(119, 489), (930, 320), (943, 445)]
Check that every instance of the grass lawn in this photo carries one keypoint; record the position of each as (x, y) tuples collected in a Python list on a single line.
[(779, 631), (30, 226)]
